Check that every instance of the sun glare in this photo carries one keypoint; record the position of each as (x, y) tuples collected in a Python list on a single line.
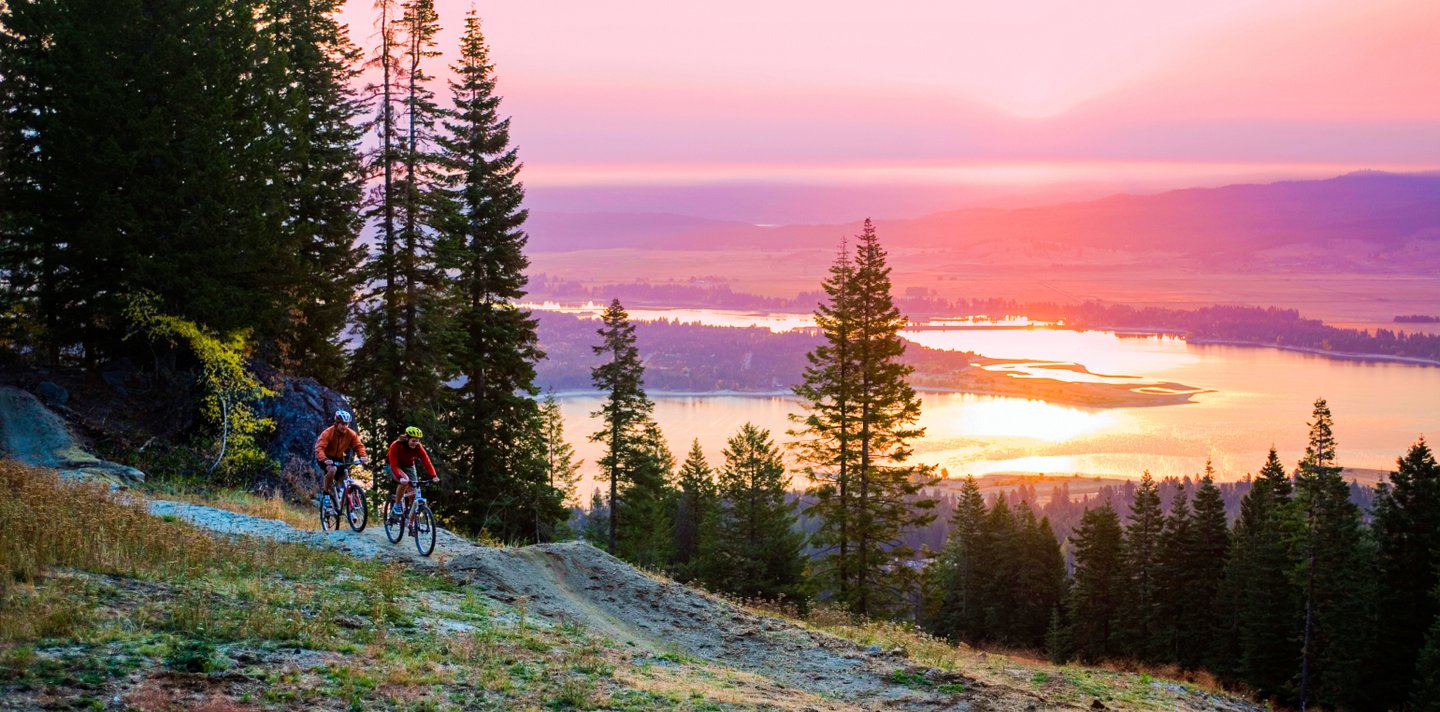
[(1010, 417)]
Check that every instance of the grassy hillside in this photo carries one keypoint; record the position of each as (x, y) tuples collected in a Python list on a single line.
[(103, 606)]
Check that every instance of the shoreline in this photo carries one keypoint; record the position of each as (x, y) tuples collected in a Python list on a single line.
[(1337, 355), (1142, 401)]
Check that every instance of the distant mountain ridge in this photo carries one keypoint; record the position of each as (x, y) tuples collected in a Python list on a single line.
[(1387, 211)]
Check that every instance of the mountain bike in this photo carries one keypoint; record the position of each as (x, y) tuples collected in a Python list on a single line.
[(347, 497), (416, 520)]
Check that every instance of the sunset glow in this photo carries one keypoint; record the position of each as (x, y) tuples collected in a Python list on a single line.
[(1148, 94)]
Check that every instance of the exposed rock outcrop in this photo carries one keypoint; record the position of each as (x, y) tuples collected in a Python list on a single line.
[(301, 408), (35, 435)]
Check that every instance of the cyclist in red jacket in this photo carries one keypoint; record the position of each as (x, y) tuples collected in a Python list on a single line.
[(405, 455)]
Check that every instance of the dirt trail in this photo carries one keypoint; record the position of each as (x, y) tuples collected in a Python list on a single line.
[(577, 583)]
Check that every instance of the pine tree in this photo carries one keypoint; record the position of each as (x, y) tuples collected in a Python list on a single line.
[(138, 156), (561, 466), (546, 473), (1334, 575), (998, 560), (861, 415), (492, 341), (1040, 580), (597, 520), (754, 551), (1257, 642), (322, 182), (1142, 563), (1407, 530), (1097, 595), (374, 375), (1174, 580), (695, 506), (625, 412), (649, 499), (825, 433), (399, 371), (953, 580), (1209, 548)]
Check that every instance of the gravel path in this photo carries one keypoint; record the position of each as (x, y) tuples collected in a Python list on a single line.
[(578, 583)]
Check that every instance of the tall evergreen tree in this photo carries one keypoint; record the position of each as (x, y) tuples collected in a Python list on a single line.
[(754, 550), (1040, 580), (561, 466), (545, 475), (1209, 548), (322, 181), (138, 155), (887, 484), (1258, 639), (648, 501), (492, 342), (999, 560), (1097, 596), (1407, 530), (1174, 580), (825, 432), (953, 580), (694, 507), (625, 412), (374, 374), (1334, 574), (399, 371), (1142, 563), (860, 373)]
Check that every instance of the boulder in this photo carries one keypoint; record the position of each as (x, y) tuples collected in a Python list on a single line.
[(52, 393), (35, 435), (301, 409)]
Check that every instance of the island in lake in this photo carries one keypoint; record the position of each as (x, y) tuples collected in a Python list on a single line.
[(696, 358)]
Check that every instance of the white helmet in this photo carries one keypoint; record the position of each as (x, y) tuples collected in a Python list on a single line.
[(343, 415)]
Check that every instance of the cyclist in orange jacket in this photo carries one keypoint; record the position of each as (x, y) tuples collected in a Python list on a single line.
[(334, 443), (405, 456)]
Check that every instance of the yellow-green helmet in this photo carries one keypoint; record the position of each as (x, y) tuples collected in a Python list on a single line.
[(413, 432)]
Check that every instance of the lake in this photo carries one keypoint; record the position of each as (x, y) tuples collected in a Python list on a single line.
[(1257, 397)]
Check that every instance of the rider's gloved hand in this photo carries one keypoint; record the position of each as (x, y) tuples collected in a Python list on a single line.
[(433, 480), (360, 460)]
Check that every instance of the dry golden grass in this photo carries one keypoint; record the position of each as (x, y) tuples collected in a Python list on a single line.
[(48, 522)]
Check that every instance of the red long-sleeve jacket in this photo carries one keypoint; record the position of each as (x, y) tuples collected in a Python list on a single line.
[(402, 455)]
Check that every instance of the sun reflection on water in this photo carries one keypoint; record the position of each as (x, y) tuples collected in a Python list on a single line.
[(982, 416)]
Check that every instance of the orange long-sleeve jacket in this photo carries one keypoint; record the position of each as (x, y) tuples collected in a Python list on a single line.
[(332, 444)]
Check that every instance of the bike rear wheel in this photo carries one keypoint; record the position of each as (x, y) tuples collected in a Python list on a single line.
[(356, 512), (423, 527), (329, 516), (394, 525)]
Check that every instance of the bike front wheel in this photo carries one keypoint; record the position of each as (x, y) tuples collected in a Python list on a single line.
[(356, 513), (423, 527), (394, 524)]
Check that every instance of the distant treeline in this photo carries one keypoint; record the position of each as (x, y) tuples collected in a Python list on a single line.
[(1251, 325), (693, 358), (1262, 326), (1065, 510), (711, 292)]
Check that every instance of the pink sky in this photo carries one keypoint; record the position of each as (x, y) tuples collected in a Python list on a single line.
[(658, 93)]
